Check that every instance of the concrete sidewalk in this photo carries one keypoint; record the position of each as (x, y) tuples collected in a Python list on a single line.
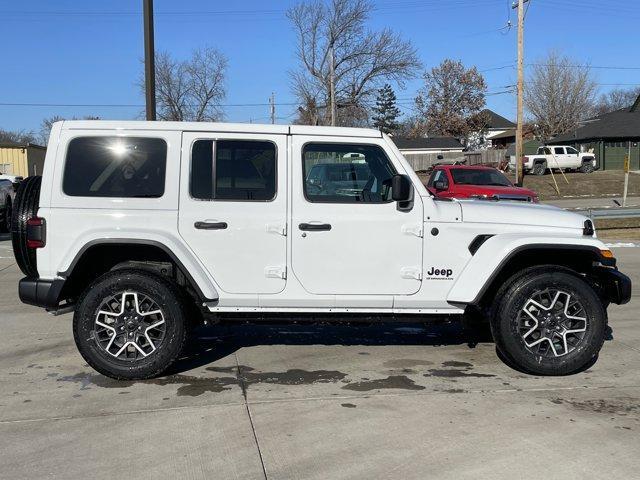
[(318, 402)]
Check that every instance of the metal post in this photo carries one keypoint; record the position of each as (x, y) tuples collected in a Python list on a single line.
[(149, 60), (627, 161)]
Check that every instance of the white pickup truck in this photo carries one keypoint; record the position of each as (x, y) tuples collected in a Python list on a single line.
[(147, 228), (557, 157)]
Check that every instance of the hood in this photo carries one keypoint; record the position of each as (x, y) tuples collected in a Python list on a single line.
[(494, 190), (515, 213)]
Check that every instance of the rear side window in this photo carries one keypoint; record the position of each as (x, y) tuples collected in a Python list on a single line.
[(131, 167), (233, 170)]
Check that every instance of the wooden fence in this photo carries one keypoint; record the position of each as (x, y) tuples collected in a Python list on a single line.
[(423, 161)]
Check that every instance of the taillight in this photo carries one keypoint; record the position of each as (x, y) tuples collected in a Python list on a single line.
[(525, 159), (36, 232)]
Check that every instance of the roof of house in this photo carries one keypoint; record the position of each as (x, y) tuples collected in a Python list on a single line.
[(8, 144), (506, 134), (619, 124), (426, 143), (497, 121)]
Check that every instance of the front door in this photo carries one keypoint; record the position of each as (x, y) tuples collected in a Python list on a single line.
[(233, 207), (348, 236)]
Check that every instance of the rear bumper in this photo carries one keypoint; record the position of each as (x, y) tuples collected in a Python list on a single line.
[(40, 292), (616, 285)]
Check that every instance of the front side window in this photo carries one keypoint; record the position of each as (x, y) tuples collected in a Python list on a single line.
[(131, 167), (346, 173), (241, 170), (479, 176), (571, 151), (439, 176)]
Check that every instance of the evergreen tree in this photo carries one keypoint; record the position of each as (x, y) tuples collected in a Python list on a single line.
[(386, 112)]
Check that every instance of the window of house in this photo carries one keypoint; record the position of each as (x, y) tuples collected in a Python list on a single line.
[(346, 173), (131, 167), (233, 170)]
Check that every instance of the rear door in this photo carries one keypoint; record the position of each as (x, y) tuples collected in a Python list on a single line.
[(348, 236), (233, 207)]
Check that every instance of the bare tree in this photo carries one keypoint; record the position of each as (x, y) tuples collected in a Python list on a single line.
[(616, 99), (47, 123), (451, 101), (190, 90), (342, 60), (558, 95), (20, 136)]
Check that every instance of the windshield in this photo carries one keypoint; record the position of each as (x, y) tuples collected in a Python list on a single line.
[(487, 176)]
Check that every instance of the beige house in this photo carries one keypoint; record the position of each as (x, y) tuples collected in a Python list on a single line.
[(21, 159)]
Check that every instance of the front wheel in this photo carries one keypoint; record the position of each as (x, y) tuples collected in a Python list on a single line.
[(130, 324), (549, 322)]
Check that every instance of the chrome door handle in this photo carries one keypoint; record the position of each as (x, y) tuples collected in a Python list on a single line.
[(210, 225)]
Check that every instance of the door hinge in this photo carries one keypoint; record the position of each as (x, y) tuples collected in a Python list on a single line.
[(412, 230), (277, 228), (412, 273), (275, 272)]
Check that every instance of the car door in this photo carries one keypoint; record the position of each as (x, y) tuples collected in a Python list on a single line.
[(233, 208), (348, 236), (559, 158)]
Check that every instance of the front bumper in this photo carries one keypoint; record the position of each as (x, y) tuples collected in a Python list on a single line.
[(615, 285), (40, 292)]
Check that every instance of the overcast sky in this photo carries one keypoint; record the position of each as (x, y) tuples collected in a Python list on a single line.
[(89, 52)]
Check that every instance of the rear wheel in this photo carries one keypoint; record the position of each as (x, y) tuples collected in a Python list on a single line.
[(549, 322), (587, 167), (540, 168), (25, 206), (130, 324)]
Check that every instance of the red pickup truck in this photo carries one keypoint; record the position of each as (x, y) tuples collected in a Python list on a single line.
[(466, 181)]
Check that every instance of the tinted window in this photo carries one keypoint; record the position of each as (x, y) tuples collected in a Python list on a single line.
[(346, 173), (571, 150), (115, 167), (242, 170), (438, 176), (558, 150), (479, 176)]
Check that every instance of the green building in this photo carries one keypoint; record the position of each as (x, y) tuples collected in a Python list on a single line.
[(610, 136)]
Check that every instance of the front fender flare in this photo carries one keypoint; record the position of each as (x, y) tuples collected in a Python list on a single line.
[(496, 252)]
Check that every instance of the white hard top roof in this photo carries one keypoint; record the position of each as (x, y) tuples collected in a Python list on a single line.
[(220, 127)]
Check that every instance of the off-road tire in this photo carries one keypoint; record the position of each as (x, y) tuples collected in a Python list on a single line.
[(163, 292), (5, 225), (587, 167), (539, 168), (510, 301), (25, 206)]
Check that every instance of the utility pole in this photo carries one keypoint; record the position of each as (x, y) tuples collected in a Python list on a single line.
[(149, 60), (272, 104), (519, 120), (332, 84)]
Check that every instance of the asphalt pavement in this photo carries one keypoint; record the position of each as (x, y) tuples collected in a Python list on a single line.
[(316, 402)]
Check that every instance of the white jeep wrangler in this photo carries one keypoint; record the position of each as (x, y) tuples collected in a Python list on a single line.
[(145, 228)]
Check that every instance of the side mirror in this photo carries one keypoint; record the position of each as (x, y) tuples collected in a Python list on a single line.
[(439, 185), (401, 188)]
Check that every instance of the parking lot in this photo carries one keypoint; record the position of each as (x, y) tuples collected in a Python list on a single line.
[(305, 401)]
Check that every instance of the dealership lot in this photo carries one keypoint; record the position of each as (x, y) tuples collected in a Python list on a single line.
[(305, 401)]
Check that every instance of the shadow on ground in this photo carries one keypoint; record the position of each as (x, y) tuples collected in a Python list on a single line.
[(215, 342)]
